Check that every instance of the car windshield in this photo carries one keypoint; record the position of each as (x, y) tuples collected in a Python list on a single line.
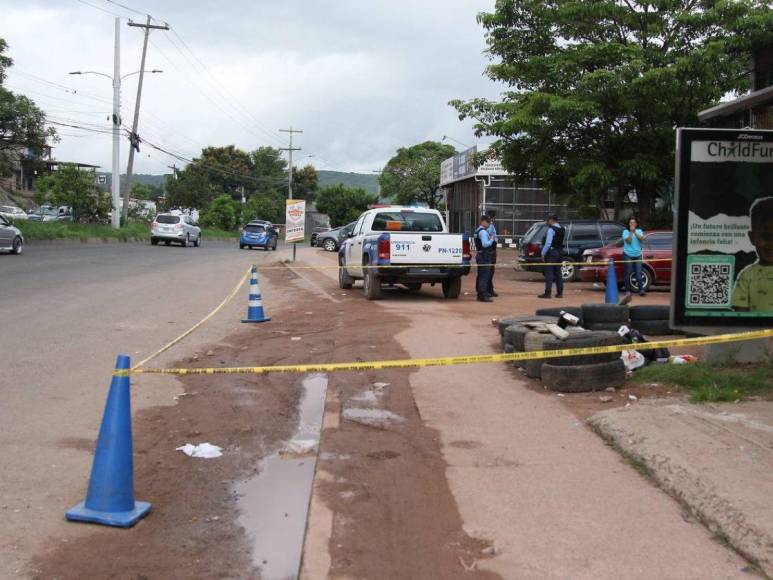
[(535, 233), (168, 219), (406, 221), (254, 229)]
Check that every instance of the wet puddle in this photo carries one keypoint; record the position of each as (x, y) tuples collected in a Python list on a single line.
[(274, 505)]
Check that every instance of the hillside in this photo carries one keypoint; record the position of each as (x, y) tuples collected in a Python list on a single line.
[(367, 181), (145, 178)]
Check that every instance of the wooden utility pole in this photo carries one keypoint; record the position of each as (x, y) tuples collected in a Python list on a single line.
[(134, 143)]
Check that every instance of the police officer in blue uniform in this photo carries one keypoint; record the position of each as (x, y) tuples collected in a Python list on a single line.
[(484, 246), (551, 254), (492, 232)]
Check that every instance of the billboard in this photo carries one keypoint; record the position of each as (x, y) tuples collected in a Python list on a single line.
[(462, 165), (295, 220), (723, 260)]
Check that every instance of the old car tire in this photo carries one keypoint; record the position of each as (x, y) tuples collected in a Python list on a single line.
[(345, 281), (372, 284), (514, 335), (17, 247), (568, 271), (329, 245), (607, 326), (583, 378), (503, 323), (604, 313), (650, 312), (452, 288), (413, 286), (652, 327), (574, 310), (533, 368), (587, 339)]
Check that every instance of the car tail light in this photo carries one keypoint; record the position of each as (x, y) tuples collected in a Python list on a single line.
[(178, 227), (384, 251), (532, 249), (466, 249)]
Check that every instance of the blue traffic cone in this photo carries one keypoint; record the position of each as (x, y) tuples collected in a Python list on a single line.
[(611, 296), (255, 306), (110, 498)]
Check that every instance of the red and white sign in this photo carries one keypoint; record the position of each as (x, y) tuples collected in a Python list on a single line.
[(295, 220)]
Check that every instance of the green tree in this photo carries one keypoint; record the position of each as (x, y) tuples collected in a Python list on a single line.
[(223, 213), (596, 87), (413, 174), (191, 188), (268, 206), (305, 183), (344, 204), (76, 188), (140, 191), (22, 123), (227, 169), (269, 169)]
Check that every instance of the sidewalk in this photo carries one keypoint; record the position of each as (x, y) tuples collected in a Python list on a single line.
[(554, 500), (717, 459)]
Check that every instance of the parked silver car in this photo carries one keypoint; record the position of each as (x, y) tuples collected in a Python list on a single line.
[(331, 241), (12, 212), (170, 228), (11, 239)]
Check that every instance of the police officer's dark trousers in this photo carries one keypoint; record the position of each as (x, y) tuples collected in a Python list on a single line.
[(483, 279), (553, 273)]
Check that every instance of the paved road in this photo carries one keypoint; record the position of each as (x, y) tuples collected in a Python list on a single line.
[(66, 311)]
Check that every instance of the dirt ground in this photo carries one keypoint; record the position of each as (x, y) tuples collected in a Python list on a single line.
[(399, 500)]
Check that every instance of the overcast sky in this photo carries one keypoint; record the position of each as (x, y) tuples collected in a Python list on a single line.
[(361, 78)]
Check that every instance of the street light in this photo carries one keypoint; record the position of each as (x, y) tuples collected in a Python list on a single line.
[(456, 141), (116, 79)]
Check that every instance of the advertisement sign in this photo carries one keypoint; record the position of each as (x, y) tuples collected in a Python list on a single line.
[(723, 260), (295, 220), (461, 166)]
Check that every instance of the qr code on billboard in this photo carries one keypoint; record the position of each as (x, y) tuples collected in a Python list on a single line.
[(709, 284)]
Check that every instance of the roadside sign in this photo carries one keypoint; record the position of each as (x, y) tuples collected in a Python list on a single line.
[(723, 259), (295, 220), (101, 179)]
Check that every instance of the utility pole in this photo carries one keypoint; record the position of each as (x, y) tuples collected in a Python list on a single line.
[(134, 142), (116, 180), (290, 150)]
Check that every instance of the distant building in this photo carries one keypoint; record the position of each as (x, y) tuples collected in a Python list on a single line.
[(754, 109), (28, 167), (470, 191)]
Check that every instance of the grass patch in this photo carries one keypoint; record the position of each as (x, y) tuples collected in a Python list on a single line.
[(70, 231), (713, 382)]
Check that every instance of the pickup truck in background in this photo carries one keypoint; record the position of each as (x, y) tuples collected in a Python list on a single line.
[(403, 245)]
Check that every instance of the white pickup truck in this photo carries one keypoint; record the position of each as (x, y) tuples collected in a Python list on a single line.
[(403, 245)]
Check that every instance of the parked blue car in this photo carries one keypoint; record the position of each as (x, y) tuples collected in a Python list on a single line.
[(258, 235)]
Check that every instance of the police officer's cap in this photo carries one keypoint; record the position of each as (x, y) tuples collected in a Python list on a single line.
[(553, 216), (485, 217)]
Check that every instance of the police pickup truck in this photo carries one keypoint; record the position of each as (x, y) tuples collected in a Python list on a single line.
[(403, 245)]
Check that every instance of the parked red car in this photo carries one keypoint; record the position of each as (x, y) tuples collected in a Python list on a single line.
[(656, 245)]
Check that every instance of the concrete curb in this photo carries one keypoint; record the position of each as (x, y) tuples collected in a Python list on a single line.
[(726, 513)]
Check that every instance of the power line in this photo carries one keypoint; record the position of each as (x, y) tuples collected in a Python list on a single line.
[(105, 10)]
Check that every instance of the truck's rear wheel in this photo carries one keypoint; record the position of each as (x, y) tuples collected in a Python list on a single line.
[(371, 284), (452, 287), (345, 281)]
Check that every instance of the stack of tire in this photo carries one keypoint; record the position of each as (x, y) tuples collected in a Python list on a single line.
[(573, 374), (651, 319), (604, 316)]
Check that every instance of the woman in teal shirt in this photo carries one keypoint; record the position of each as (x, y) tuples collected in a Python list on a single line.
[(632, 239)]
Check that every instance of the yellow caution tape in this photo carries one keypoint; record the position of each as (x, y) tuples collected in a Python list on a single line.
[(452, 360), (526, 265), (217, 309)]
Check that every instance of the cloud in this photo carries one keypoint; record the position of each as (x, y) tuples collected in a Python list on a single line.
[(360, 78)]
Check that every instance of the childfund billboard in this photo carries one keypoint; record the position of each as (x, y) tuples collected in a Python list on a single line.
[(723, 264)]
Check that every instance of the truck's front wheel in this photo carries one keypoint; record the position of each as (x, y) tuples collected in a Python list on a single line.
[(452, 287), (345, 281), (371, 284)]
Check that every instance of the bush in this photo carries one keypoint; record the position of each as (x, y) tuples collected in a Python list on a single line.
[(344, 204), (223, 213)]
